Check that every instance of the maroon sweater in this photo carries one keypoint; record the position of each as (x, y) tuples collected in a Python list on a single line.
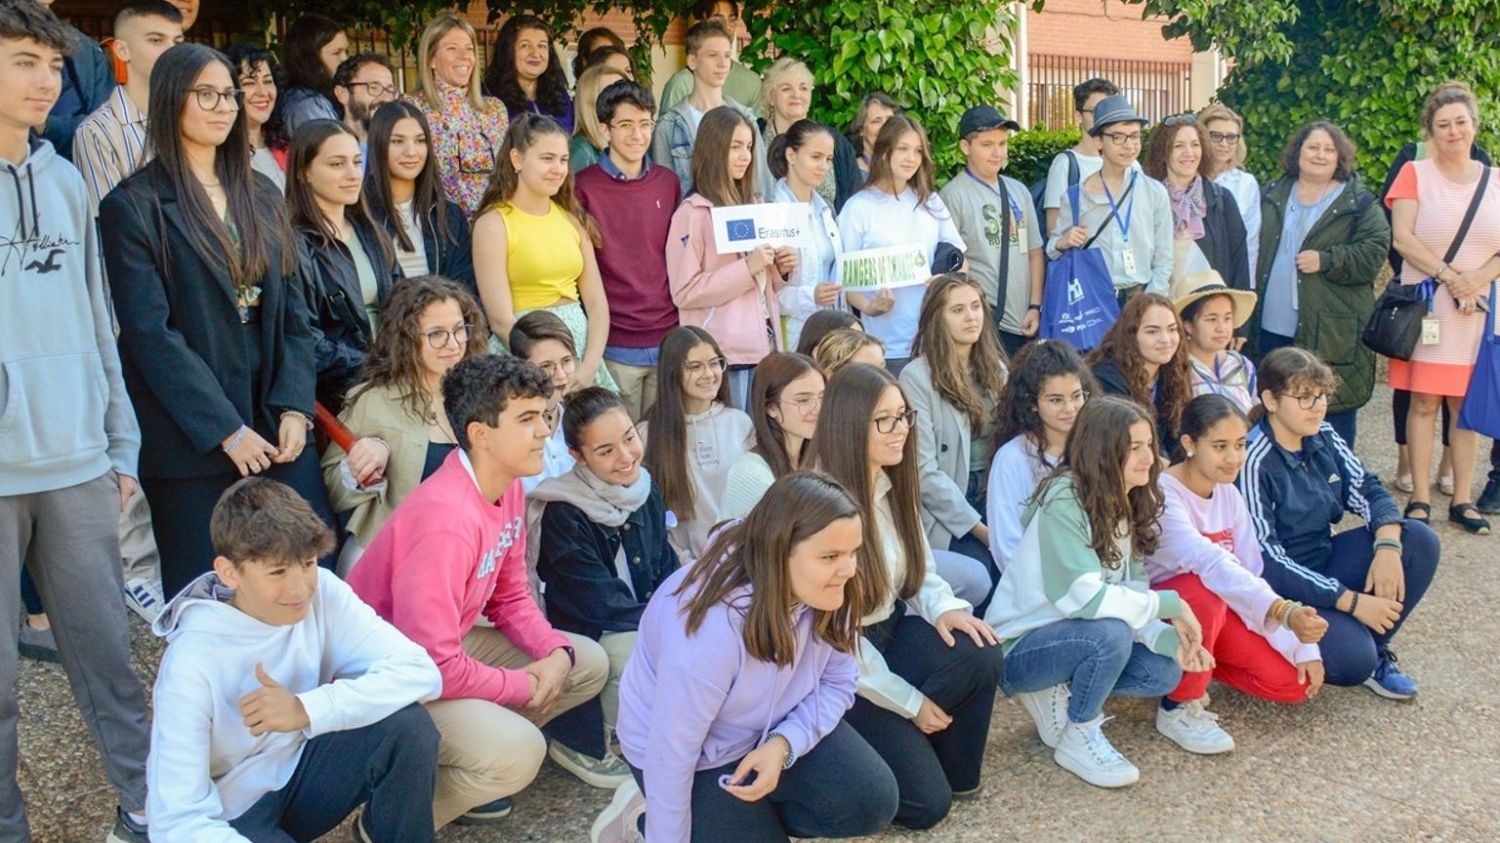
[(633, 218)]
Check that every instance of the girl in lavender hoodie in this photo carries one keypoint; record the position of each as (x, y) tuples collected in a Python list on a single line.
[(731, 705), (1263, 645)]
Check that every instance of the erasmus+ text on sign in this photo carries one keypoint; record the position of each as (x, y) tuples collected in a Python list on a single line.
[(893, 266), (740, 228)]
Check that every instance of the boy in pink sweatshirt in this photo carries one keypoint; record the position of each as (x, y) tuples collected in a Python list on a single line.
[(456, 547)]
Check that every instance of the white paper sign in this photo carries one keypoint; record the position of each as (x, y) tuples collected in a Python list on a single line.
[(740, 228), (892, 266)]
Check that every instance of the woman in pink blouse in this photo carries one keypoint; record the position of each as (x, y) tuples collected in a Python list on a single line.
[(467, 126)]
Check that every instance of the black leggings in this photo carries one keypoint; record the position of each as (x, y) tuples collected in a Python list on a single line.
[(1401, 408), (840, 788), (961, 680)]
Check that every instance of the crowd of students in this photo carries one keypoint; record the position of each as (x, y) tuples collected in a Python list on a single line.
[(452, 399)]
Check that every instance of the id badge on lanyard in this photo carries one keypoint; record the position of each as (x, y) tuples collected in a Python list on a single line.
[(1127, 257)]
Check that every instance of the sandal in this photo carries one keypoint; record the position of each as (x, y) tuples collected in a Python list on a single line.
[(1416, 506), (1467, 515)]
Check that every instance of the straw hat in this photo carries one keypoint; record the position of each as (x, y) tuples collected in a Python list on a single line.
[(1203, 283)]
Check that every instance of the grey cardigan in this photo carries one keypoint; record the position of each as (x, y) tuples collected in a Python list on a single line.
[(943, 442)]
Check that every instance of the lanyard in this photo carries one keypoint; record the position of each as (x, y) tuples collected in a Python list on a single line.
[(1015, 209), (1114, 210)]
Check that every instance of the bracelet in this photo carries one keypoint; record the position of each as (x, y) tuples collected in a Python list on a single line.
[(236, 439), (1393, 544), (1278, 607), (1287, 611), (791, 755), (301, 415), (1353, 601), (1033, 307)]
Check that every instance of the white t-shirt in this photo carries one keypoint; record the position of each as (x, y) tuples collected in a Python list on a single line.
[(874, 219), (413, 263), (1057, 175), (264, 162)]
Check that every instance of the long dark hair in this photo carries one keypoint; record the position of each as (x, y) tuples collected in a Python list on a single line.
[(523, 133), (711, 159), (259, 223), (500, 77), (1095, 458), (1202, 413), (427, 200), (306, 215), (1122, 347), (1015, 409), (246, 56), (666, 456), (753, 555), (305, 38), (965, 385), (772, 375), (394, 358), (842, 447)]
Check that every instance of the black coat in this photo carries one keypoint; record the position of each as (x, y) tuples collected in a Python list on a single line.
[(340, 325), (454, 258), (576, 561), (1224, 240), (181, 339)]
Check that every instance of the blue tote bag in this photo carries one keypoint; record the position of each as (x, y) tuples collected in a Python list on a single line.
[(1078, 298), (1481, 411)]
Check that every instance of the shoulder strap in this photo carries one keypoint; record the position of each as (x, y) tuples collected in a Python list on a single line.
[(1004, 276), (1072, 166), (1109, 219), (1463, 228)]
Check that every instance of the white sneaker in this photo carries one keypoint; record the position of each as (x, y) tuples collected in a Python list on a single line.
[(1194, 728), (619, 822), (605, 773), (143, 596), (1087, 754), (1049, 708)]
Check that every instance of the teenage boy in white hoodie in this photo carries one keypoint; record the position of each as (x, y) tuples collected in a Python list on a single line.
[(68, 435), (283, 702)]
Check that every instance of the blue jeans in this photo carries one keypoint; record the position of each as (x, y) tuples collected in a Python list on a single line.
[(1096, 658)]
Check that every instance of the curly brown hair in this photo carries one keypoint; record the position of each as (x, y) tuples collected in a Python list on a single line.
[(1121, 346), (1095, 460), (1159, 149), (395, 358)]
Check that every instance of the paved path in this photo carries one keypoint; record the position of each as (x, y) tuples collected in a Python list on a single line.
[(1347, 766)]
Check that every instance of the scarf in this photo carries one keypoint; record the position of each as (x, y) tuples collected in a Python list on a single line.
[(1189, 207), (604, 503)]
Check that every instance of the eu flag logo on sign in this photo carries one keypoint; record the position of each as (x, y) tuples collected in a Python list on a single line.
[(738, 230)]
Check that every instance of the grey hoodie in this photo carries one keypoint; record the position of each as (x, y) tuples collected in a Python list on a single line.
[(64, 416)]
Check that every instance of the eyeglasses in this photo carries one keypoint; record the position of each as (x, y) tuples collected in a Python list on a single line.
[(632, 126), (1224, 138), (1057, 402), (1307, 402), (1085, 111), (440, 337), (1186, 118), (481, 165), (806, 405), (888, 423), (209, 98), (697, 368), (567, 364), (374, 89), (1121, 139)]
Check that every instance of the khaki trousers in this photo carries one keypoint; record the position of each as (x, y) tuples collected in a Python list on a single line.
[(487, 750), (637, 387)]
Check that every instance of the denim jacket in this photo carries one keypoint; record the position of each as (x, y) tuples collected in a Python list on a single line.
[(672, 146)]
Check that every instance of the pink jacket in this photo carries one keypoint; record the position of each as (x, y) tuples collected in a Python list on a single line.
[(446, 555), (717, 292)]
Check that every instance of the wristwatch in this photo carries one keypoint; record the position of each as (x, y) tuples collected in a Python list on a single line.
[(791, 754)]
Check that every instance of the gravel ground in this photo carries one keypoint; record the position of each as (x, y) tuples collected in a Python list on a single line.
[(1347, 766)]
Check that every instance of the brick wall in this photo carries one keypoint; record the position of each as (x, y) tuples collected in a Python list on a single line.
[(1101, 29)]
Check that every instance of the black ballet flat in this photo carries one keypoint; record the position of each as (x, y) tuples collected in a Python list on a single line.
[(1467, 515), (1425, 508)]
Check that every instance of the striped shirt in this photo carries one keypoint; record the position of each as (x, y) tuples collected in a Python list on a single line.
[(109, 145)]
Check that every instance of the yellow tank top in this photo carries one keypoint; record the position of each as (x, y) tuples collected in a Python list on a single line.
[(544, 256)]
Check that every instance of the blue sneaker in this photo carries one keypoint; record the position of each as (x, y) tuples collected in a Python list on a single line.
[(1388, 681), (489, 812)]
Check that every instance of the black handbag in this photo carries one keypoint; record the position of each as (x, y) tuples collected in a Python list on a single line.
[(1396, 325)]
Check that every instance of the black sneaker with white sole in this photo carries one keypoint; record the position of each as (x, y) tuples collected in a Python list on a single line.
[(127, 830)]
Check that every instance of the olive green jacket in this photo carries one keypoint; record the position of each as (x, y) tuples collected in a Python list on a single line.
[(1352, 238)]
